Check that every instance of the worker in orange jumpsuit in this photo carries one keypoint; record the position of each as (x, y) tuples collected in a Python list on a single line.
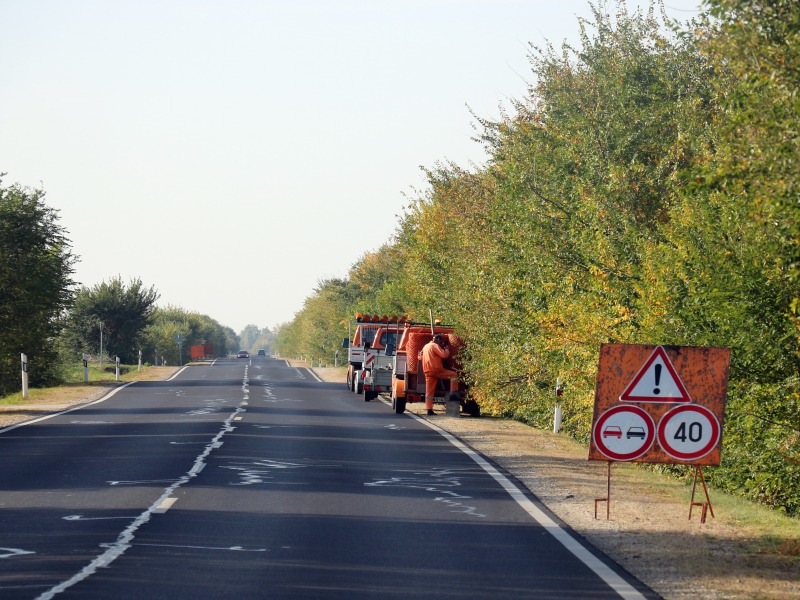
[(432, 355)]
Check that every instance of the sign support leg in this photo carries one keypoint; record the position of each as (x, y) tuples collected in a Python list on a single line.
[(607, 499), (706, 506)]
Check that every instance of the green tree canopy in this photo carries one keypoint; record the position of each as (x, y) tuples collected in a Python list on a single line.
[(36, 266), (123, 311)]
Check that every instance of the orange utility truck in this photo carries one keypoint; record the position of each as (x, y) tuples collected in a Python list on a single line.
[(369, 369), (408, 379)]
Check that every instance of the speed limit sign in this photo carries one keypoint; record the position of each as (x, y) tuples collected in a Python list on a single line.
[(688, 432)]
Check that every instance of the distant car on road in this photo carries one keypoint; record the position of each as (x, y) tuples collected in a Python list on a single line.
[(243, 354), (262, 353)]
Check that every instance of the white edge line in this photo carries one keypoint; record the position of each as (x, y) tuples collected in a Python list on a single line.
[(314, 375), (174, 375), (74, 408), (617, 583), (69, 410)]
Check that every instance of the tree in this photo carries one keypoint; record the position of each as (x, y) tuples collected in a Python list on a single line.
[(36, 265), (316, 332), (167, 324), (122, 311), (249, 336)]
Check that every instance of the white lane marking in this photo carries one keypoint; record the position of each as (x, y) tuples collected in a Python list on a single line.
[(82, 518), (276, 400), (260, 470), (614, 581), (126, 537), (69, 410), (11, 552), (314, 375), (232, 548), (437, 481), (140, 482), (165, 505), (178, 373)]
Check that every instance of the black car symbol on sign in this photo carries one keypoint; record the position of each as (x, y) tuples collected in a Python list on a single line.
[(635, 432)]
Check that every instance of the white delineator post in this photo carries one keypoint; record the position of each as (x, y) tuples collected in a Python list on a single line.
[(558, 415), (24, 359)]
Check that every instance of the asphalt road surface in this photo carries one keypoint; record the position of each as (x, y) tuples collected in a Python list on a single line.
[(252, 479)]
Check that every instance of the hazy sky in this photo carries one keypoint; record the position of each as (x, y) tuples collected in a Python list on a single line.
[(233, 153)]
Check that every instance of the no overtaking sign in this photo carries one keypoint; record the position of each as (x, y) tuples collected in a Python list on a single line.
[(659, 404)]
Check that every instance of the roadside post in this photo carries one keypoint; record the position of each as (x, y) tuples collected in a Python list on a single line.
[(85, 367), (139, 368), (116, 369), (660, 405), (24, 360), (179, 341), (557, 417)]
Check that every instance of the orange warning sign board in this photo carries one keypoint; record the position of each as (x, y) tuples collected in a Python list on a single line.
[(659, 404)]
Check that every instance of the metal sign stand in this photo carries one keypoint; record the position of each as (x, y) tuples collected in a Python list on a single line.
[(607, 499), (706, 506)]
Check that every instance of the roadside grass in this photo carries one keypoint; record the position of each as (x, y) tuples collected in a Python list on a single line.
[(75, 388), (761, 531), (769, 532)]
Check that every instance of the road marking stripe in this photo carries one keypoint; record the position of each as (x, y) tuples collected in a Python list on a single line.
[(125, 538), (165, 505)]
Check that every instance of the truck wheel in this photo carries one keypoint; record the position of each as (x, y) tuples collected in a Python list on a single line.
[(358, 383), (399, 405), (368, 396), (349, 380)]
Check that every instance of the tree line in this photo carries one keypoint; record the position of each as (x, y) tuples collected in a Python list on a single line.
[(47, 316), (645, 190)]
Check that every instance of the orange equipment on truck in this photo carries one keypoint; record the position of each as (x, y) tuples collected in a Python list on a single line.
[(408, 378), (369, 369)]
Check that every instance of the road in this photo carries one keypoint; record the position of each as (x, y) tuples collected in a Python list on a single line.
[(251, 479)]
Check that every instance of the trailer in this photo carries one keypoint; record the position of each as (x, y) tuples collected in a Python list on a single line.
[(369, 369), (408, 378)]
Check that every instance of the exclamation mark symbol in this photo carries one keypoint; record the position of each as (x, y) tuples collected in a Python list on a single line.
[(657, 390)]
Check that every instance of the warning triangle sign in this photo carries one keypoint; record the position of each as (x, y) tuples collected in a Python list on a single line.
[(656, 381)]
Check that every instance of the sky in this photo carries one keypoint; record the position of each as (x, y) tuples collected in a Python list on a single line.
[(235, 153)]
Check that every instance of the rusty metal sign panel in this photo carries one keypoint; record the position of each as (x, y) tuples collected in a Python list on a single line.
[(660, 404)]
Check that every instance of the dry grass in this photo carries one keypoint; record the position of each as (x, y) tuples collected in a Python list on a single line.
[(72, 393)]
